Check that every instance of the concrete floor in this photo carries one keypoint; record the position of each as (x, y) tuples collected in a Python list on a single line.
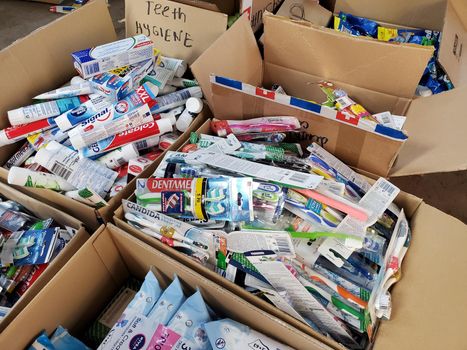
[(446, 192)]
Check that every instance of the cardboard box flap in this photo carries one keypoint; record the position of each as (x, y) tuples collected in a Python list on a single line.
[(41, 61), (429, 304), (234, 54), (451, 55), (436, 126), (305, 10), (426, 14), (335, 56)]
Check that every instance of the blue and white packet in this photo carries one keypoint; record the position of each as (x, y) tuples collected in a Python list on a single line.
[(227, 334), (168, 304)]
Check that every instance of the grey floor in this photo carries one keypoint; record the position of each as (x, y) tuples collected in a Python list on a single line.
[(447, 192)]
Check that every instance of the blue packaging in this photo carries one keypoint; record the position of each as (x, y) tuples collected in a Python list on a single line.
[(168, 304), (356, 25)]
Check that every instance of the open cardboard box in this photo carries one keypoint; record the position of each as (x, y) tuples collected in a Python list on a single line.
[(81, 290), (43, 211), (41, 62), (435, 125), (446, 16), (292, 63), (428, 297)]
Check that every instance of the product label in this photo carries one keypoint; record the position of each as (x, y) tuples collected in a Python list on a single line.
[(260, 171)]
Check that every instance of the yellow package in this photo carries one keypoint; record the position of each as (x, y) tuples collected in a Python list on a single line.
[(386, 34)]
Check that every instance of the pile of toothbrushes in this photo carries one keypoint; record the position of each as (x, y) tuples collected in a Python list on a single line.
[(27, 245), (86, 139), (321, 242), (434, 79)]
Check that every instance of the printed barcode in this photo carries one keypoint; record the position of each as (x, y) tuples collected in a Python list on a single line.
[(91, 68), (121, 161), (60, 170), (283, 245), (298, 177), (385, 119), (387, 187)]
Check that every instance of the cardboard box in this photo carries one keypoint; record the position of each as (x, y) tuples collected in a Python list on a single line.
[(415, 298), (178, 27), (310, 11), (292, 64), (44, 211), (447, 16), (101, 267), (255, 9), (36, 64)]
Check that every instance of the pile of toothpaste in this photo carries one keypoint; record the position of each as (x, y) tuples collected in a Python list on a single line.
[(434, 79), (127, 106), (304, 231), (166, 319), (27, 245)]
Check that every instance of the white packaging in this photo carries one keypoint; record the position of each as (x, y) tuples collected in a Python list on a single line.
[(193, 107), (174, 64), (80, 173), (103, 58), (28, 178), (147, 143), (119, 156), (83, 136)]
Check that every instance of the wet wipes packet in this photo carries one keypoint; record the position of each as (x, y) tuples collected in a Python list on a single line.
[(231, 335), (168, 304), (60, 340), (141, 304), (187, 324)]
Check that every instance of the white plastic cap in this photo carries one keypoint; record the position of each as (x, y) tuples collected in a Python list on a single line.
[(4, 140), (184, 121), (194, 105), (76, 80), (18, 176), (16, 117), (165, 125)]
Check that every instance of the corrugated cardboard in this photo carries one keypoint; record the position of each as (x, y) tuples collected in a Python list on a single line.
[(306, 10), (101, 267), (56, 2), (176, 28), (41, 62), (235, 55), (44, 211), (447, 16), (418, 296), (254, 10)]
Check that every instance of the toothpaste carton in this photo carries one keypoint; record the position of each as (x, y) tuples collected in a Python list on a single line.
[(101, 59)]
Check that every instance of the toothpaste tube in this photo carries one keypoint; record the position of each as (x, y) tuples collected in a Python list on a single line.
[(44, 110), (86, 110), (266, 124), (143, 95), (28, 178), (159, 76), (121, 182), (137, 165), (100, 129), (20, 157), (184, 83), (43, 138), (147, 143), (80, 173), (233, 335), (103, 58), (83, 88), (135, 72), (20, 132), (120, 156), (146, 131), (175, 99), (87, 196), (174, 64)]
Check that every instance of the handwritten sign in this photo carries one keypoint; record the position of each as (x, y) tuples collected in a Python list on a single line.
[(178, 30), (256, 8)]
